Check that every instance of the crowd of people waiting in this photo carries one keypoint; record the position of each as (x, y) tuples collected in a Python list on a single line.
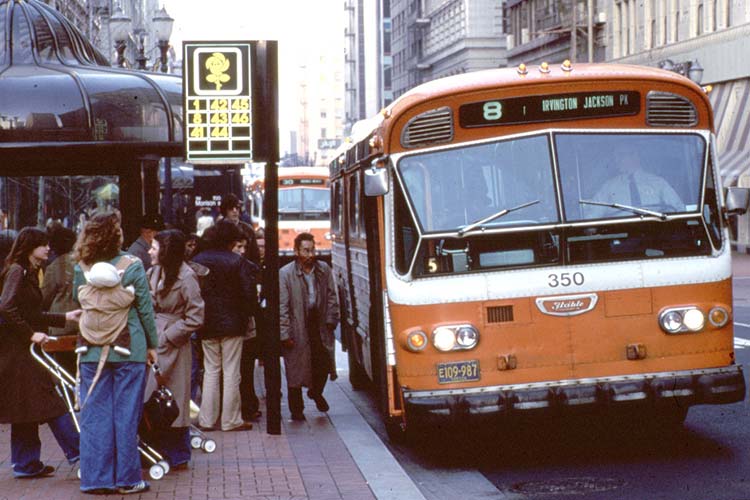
[(189, 303)]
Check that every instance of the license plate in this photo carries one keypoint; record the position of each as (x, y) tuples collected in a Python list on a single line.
[(458, 371)]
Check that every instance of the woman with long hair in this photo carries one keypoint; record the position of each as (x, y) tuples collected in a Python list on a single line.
[(179, 311), (27, 392), (111, 411)]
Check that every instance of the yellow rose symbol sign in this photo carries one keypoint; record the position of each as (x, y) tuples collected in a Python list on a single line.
[(217, 65)]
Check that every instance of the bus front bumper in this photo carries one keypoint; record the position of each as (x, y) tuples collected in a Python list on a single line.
[(682, 389)]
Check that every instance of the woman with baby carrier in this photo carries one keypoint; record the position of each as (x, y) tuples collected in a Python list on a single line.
[(112, 379), (179, 311), (27, 392)]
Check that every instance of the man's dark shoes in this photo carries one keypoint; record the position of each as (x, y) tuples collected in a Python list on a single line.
[(298, 416), (321, 404), (45, 471)]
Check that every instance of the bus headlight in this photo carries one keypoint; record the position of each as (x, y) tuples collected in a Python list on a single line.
[(694, 320), (682, 319), (671, 321), (467, 337), (444, 339), (416, 341), (455, 337), (718, 316)]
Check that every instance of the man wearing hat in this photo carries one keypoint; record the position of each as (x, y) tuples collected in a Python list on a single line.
[(150, 225)]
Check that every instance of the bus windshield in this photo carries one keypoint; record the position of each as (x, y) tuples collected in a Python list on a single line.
[(304, 204), (609, 175), (453, 189), (454, 195)]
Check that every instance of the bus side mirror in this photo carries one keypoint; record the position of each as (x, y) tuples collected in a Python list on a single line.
[(737, 200), (376, 181)]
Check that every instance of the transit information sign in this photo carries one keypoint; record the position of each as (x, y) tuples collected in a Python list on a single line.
[(543, 108), (217, 109)]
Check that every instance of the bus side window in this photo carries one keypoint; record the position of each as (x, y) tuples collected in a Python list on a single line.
[(336, 212), (354, 205)]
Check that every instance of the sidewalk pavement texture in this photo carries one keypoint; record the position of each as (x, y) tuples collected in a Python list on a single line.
[(333, 456)]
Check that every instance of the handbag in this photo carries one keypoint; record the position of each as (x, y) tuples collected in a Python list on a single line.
[(161, 410)]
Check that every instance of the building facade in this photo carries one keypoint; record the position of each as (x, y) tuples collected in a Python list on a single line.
[(553, 31), (435, 38), (367, 59)]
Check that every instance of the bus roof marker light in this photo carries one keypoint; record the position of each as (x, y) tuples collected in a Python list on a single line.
[(522, 69), (566, 66), (544, 68)]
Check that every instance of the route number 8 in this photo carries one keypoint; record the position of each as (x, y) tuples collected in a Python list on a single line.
[(492, 110)]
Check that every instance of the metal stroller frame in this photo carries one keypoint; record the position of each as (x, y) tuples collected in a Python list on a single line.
[(66, 386), (199, 440)]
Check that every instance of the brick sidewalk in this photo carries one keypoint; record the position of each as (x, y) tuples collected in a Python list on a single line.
[(307, 461)]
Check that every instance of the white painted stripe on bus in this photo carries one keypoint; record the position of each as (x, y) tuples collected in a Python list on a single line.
[(536, 282)]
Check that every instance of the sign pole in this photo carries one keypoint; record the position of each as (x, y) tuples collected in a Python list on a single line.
[(266, 148)]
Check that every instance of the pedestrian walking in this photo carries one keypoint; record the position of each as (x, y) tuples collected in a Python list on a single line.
[(27, 392), (111, 410), (309, 314), (230, 296), (179, 310)]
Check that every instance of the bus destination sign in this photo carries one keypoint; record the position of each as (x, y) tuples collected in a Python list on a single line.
[(217, 108), (302, 182), (547, 108)]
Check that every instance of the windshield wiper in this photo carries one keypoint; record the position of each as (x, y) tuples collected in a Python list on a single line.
[(627, 208), (492, 217)]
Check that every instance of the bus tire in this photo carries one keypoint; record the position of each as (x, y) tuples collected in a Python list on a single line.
[(396, 431)]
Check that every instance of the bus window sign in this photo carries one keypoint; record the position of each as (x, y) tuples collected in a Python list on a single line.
[(217, 109), (543, 108)]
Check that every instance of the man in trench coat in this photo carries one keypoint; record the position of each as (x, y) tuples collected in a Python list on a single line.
[(309, 314)]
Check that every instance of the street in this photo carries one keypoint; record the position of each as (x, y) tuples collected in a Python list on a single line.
[(585, 458)]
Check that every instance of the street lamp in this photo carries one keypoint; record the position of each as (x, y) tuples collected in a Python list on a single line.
[(695, 71), (691, 69), (119, 25), (163, 23)]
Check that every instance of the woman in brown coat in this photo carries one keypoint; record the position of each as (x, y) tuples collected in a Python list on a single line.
[(27, 393), (179, 312)]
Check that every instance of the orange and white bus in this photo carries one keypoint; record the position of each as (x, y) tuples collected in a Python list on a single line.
[(304, 206), (523, 240)]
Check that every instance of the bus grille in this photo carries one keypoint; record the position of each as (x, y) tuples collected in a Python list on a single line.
[(499, 314), (430, 127), (664, 109)]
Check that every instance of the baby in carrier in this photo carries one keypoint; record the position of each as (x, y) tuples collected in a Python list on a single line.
[(105, 303)]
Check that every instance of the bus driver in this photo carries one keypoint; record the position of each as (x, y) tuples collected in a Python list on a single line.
[(635, 187)]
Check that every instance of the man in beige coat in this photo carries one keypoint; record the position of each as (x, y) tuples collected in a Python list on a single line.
[(309, 314)]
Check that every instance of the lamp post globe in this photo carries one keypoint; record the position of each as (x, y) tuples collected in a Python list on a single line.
[(119, 26), (163, 23)]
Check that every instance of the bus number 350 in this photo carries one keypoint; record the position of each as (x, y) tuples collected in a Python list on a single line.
[(565, 279)]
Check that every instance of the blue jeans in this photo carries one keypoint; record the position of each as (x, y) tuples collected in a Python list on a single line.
[(174, 444), (25, 447), (109, 425)]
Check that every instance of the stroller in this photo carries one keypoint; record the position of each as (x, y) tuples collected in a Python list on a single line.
[(66, 387)]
